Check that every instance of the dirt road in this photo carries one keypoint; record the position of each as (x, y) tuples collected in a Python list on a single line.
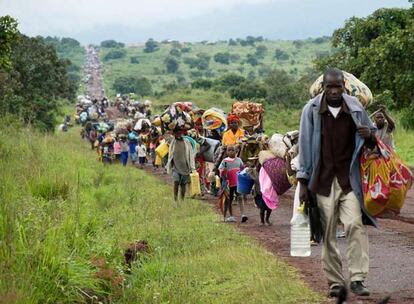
[(391, 248)]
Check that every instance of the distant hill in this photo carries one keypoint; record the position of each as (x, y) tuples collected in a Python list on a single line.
[(212, 60)]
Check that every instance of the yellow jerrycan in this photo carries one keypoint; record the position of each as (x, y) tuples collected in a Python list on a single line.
[(195, 183)]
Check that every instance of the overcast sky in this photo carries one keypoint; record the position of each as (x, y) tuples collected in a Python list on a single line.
[(137, 20)]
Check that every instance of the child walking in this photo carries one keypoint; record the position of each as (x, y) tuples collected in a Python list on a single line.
[(124, 149), (142, 153), (229, 168), (265, 211), (180, 163)]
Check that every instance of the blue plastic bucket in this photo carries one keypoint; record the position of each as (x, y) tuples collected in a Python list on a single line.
[(244, 183)]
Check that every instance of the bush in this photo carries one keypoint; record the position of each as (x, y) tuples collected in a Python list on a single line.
[(185, 49), (151, 46), (248, 90), (110, 44), (234, 57), (283, 89), (201, 62), (223, 58), (227, 81), (252, 60), (321, 40), (232, 42), (134, 60), (125, 85), (281, 54), (261, 51), (171, 64), (114, 54), (298, 44), (202, 84), (175, 52), (407, 117)]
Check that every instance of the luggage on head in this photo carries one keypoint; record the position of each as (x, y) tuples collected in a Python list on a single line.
[(353, 87), (214, 119), (176, 118), (250, 113)]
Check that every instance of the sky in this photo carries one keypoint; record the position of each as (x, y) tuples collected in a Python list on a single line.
[(134, 21)]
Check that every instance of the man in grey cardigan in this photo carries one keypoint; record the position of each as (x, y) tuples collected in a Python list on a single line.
[(333, 129), (180, 163)]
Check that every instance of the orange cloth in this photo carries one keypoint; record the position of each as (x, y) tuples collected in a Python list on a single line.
[(230, 138)]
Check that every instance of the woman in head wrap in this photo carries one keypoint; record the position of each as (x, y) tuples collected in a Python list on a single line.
[(234, 134)]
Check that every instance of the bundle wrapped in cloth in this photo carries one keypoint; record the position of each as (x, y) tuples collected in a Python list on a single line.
[(214, 119), (250, 113), (176, 118), (141, 123), (121, 126), (353, 87), (385, 180)]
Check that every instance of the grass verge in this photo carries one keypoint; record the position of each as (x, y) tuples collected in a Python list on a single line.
[(61, 210)]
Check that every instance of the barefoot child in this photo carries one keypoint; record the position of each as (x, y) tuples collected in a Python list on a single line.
[(180, 163), (229, 168)]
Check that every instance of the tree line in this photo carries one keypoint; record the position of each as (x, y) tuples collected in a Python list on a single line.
[(32, 77)]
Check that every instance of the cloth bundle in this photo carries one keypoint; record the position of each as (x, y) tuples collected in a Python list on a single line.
[(250, 113), (277, 146), (139, 125), (249, 148), (214, 119), (103, 127), (176, 118), (385, 179), (353, 87), (276, 170)]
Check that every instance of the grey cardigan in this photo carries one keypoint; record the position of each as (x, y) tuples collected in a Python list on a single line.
[(310, 145)]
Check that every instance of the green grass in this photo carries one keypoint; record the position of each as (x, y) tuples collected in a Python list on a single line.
[(61, 208), (152, 65)]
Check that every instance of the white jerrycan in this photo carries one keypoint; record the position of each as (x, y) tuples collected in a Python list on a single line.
[(300, 234)]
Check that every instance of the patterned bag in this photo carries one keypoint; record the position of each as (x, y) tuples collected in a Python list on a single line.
[(250, 113), (276, 169), (385, 179), (176, 118), (353, 87)]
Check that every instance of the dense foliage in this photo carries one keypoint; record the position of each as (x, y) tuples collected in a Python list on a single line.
[(115, 54), (35, 79), (378, 49), (112, 44), (138, 85), (8, 34), (151, 46)]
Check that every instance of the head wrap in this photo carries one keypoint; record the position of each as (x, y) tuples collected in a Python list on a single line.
[(233, 118)]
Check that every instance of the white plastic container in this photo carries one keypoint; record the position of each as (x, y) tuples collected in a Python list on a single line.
[(300, 234)]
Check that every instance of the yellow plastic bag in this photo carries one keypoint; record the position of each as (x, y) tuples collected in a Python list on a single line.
[(195, 183), (218, 182)]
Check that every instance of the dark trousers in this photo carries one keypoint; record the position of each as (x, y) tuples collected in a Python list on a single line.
[(124, 158)]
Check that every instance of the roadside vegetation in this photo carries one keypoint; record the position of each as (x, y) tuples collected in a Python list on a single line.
[(66, 220)]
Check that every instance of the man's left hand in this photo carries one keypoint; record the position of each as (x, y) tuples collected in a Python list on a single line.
[(364, 132)]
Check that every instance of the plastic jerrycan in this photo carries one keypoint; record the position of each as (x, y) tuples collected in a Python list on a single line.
[(300, 234), (195, 183)]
